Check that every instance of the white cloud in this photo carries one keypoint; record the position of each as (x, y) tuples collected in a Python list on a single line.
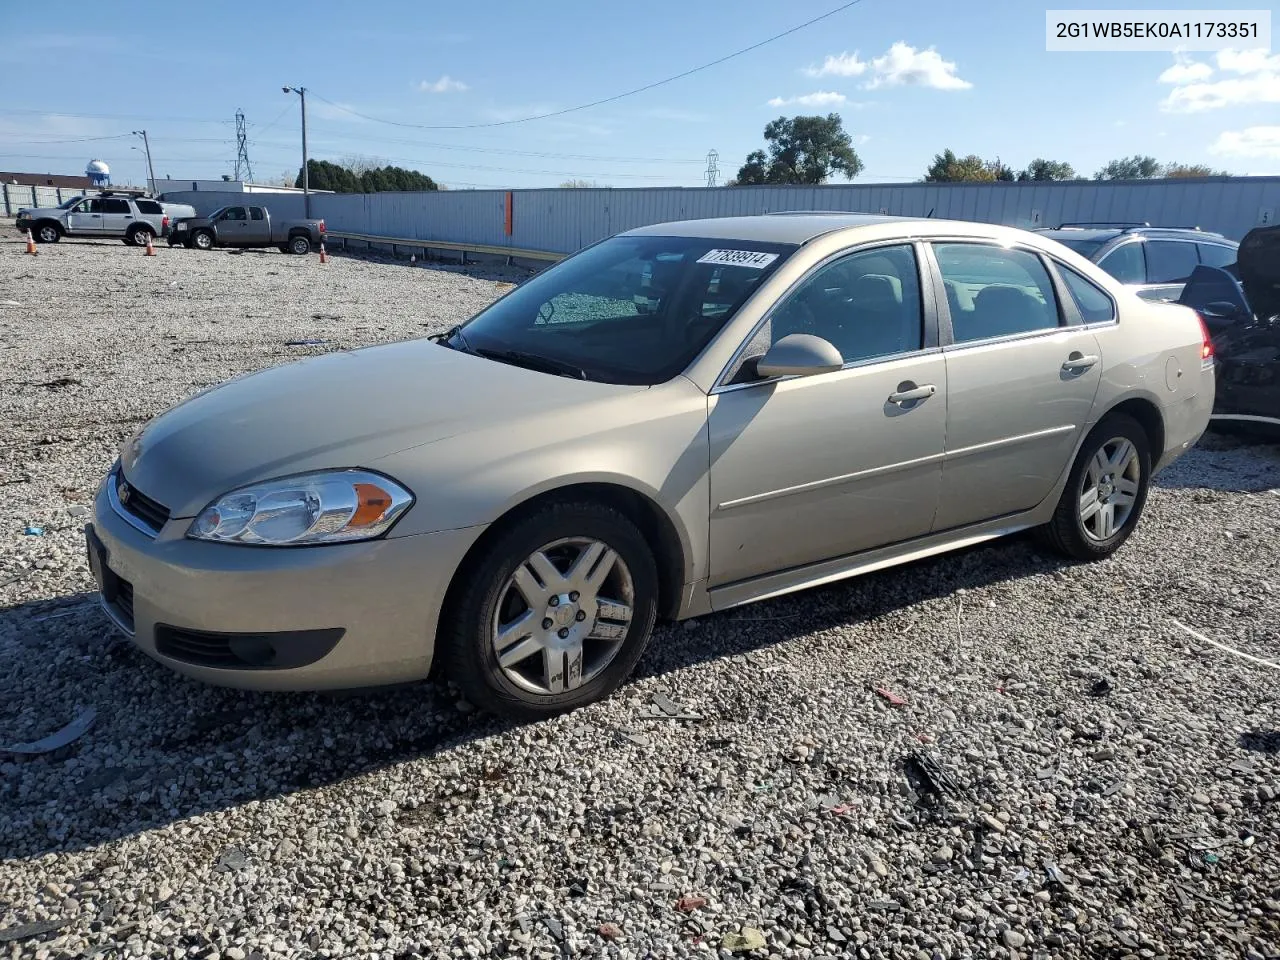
[(1186, 71), (862, 138), (839, 65), (446, 84), (820, 98), (904, 65), (1259, 142), (1256, 80)]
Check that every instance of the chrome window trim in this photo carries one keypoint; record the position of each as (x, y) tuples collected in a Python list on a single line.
[(915, 243)]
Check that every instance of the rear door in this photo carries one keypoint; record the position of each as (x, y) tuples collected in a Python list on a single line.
[(117, 216), (1022, 374), (1169, 267), (258, 228)]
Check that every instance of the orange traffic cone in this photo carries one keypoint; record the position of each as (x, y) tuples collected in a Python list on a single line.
[(324, 257), (31, 244), (151, 251)]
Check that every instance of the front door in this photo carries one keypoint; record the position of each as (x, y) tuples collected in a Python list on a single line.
[(1020, 381), (85, 218), (231, 226), (805, 469)]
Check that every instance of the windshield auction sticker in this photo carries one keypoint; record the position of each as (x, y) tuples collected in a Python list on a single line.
[(1183, 31), (739, 258)]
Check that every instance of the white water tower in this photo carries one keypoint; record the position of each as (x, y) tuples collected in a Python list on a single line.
[(99, 173)]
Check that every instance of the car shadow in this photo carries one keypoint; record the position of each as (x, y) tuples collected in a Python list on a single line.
[(166, 748), (1226, 462)]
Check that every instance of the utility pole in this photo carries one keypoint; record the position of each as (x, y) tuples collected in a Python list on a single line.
[(150, 169), (242, 149), (306, 175)]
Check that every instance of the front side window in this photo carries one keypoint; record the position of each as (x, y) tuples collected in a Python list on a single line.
[(1126, 263), (631, 310), (867, 305), (233, 213), (1170, 261), (87, 206), (994, 291), (1092, 302)]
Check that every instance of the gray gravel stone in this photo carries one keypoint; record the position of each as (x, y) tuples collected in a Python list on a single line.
[(393, 824)]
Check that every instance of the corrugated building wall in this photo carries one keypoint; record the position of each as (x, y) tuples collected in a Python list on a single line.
[(566, 220)]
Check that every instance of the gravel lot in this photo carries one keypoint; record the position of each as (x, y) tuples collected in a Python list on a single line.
[(773, 814)]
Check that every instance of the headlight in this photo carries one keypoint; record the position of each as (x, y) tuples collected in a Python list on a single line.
[(331, 506)]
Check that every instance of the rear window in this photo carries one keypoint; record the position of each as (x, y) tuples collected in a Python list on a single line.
[(1216, 254), (1092, 302), (114, 205), (149, 206), (1170, 261), (255, 213), (1086, 248)]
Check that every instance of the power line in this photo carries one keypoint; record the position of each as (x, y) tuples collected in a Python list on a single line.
[(109, 116), (603, 100), (40, 143)]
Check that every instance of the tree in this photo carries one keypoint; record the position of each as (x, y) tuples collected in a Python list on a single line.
[(1179, 170), (1040, 169), (1130, 168), (339, 178), (948, 168), (805, 150)]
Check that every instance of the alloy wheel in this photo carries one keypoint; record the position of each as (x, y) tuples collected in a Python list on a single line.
[(1109, 488), (563, 615)]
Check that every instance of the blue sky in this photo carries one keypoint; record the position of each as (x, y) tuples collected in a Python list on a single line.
[(909, 79)]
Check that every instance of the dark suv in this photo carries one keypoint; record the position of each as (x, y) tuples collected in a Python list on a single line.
[(1155, 261)]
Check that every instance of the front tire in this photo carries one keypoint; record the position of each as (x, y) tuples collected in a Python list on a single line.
[(1105, 493), (48, 233), (202, 240), (554, 614)]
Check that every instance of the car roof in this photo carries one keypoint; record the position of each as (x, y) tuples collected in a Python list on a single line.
[(801, 227)]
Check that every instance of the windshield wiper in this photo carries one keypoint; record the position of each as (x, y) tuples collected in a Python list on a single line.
[(454, 331), (533, 361)]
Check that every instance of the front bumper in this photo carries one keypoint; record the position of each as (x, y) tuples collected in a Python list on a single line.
[(22, 225), (335, 616)]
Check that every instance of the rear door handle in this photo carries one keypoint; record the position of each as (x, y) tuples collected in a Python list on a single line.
[(1077, 362), (912, 394)]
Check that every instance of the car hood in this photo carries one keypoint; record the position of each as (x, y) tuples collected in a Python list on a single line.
[(1259, 265), (342, 409)]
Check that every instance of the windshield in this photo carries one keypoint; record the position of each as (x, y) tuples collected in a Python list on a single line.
[(68, 204), (1086, 248), (630, 310)]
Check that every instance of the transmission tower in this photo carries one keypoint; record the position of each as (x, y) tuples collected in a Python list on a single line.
[(242, 150), (713, 168)]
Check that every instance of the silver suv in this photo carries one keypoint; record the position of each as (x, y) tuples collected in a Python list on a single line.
[(1155, 261), (133, 219)]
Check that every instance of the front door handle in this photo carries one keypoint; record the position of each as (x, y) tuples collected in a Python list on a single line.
[(1078, 362), (908, 393)]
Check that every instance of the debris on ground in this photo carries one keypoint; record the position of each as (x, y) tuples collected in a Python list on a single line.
[(689, 903), (893, 698), (29, 931), (1100, 688), (928, 778), (743, 942), (32, 531), (73, 731), (306, 343)]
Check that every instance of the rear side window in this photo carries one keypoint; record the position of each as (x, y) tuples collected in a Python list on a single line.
[(1216, 255), (993, 291), (1170, 261), (255, 213), (148, 206), (114, 205), (1092, 302), (1126, 263)]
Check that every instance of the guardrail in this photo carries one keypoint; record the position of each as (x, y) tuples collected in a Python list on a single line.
[(462, 248)]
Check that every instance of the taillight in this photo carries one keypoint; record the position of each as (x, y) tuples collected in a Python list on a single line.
[(1206, 342), (164, 222), (322, 226)]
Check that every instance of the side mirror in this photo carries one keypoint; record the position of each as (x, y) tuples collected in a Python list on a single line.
[(799, 355), (1220, 310)]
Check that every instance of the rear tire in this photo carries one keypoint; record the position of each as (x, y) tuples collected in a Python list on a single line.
[(139, 236), (299, 245), (1105, 492), (612, 615)]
